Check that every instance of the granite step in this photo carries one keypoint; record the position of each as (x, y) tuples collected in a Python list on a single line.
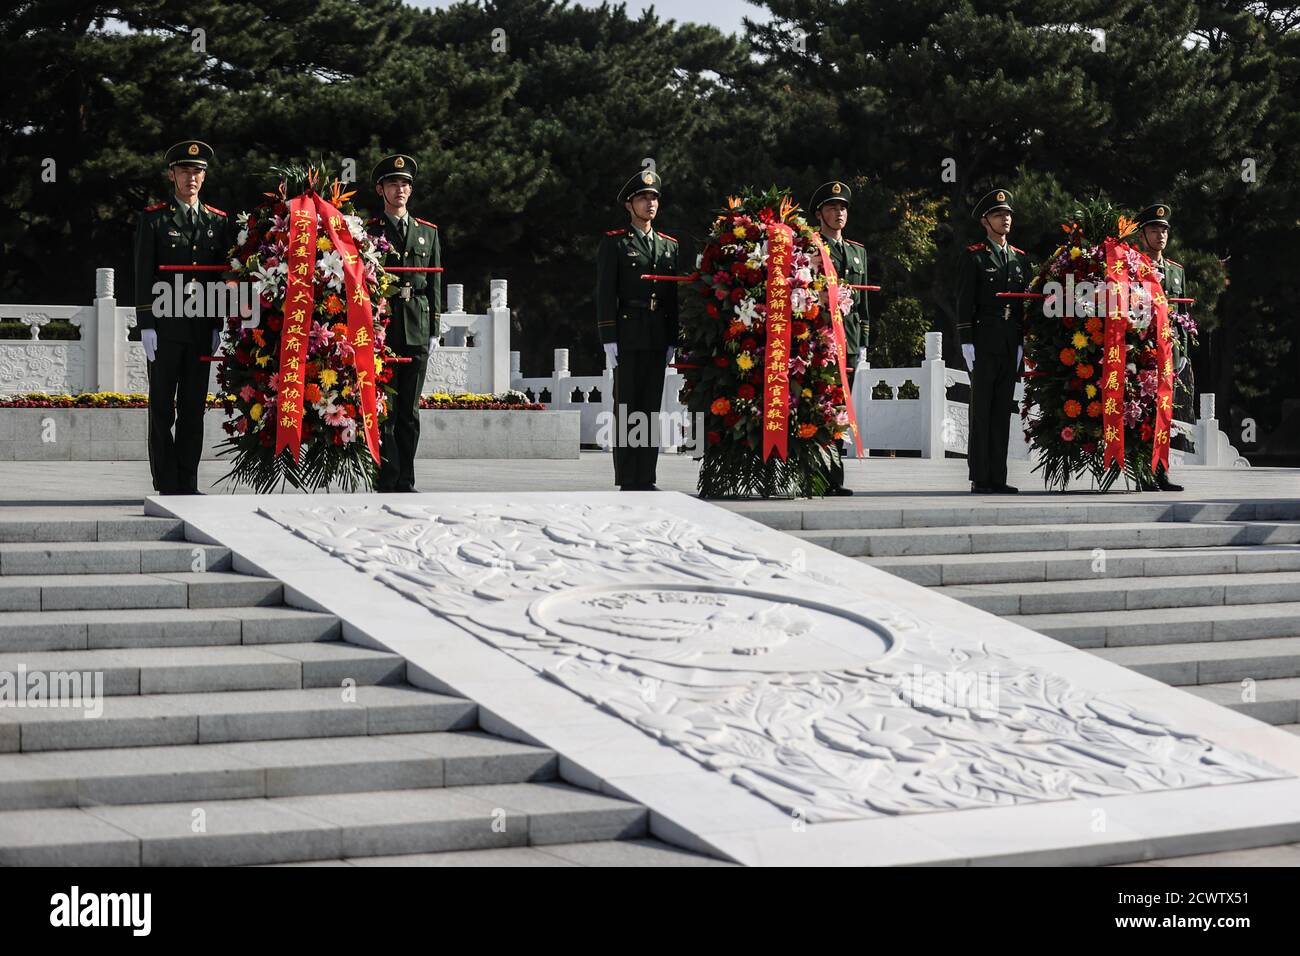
[(978, 539), (83, 592), (317, 827), (1008, 567), (858, 514), (177, 670), (1275, 701), (1210, 662), (162, 627), (111, 557), (1181, 625), (223, 717), (1109, 594), (638, 852), (266, 768), (46, 525)]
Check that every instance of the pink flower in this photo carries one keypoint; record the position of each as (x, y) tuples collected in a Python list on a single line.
[(319, 337), (1067, 433), (247, 393)]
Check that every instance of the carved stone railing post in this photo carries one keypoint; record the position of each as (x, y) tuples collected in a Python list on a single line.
[(102, 342), (498, 329), (933, 397)]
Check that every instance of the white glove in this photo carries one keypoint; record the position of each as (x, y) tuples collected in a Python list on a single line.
[(149, 339), (968, 352), (862, 357), (672, 354), (216, 341), (611, 355), (433, 344), (1020, 354)]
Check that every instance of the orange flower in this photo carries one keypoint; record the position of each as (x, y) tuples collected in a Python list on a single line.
[(1093, 325), (258, 337), (1083, 371), (807, 431), (1098, 338), (1094, 409), (313, 392), (339, 328), (720, 406), (334, 305), (1067, 356), (1072, 408)]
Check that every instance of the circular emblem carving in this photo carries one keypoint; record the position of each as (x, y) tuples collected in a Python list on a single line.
[(719, 629), (647, 178), (194, 149), (398, 163), (1001, 196)]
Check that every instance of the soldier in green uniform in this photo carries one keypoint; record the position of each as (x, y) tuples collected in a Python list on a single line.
[(414, 316), (637, 320), (992, 339), (180, 231), (830, 205), (1153, 224)]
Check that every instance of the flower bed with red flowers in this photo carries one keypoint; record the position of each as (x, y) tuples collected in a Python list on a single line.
[(1062, 410), (725, 344)]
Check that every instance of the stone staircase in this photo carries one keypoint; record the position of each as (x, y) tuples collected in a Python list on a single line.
[(234, 729)]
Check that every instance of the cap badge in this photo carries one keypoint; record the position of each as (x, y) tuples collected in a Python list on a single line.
[(1160, 211), (399, 162), (647, 177), (837, 188), (1001, 196), (194, 149)]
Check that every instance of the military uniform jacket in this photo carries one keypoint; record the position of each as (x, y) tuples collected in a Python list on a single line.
[(166, 237), (631, 311), (983, 319), (850, 261), (415, 310), (1174, 283)]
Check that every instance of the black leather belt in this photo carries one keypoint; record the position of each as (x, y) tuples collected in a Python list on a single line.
[(638, 304)]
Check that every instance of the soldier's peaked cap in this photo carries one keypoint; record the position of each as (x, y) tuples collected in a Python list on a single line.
[(399, 164), (646, 181), (991, 201), (191, 152), (826, 192), (1157, 212)]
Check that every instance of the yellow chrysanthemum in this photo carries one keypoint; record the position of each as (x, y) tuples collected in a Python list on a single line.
[(1091, 390), (323, 244), (255, 413), (744, 362), (806, 393), (262, 360), (1075, 252), (328, 377), (739, 232), (1080, 340)]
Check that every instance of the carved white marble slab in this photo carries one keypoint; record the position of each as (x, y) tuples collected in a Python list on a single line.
[(766, 699)]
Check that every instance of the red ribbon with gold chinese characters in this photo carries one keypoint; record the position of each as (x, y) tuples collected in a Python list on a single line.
[(1165, 372), (776, 365), (299, 301), (1113, 364), (841, 343), (361, 324)]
